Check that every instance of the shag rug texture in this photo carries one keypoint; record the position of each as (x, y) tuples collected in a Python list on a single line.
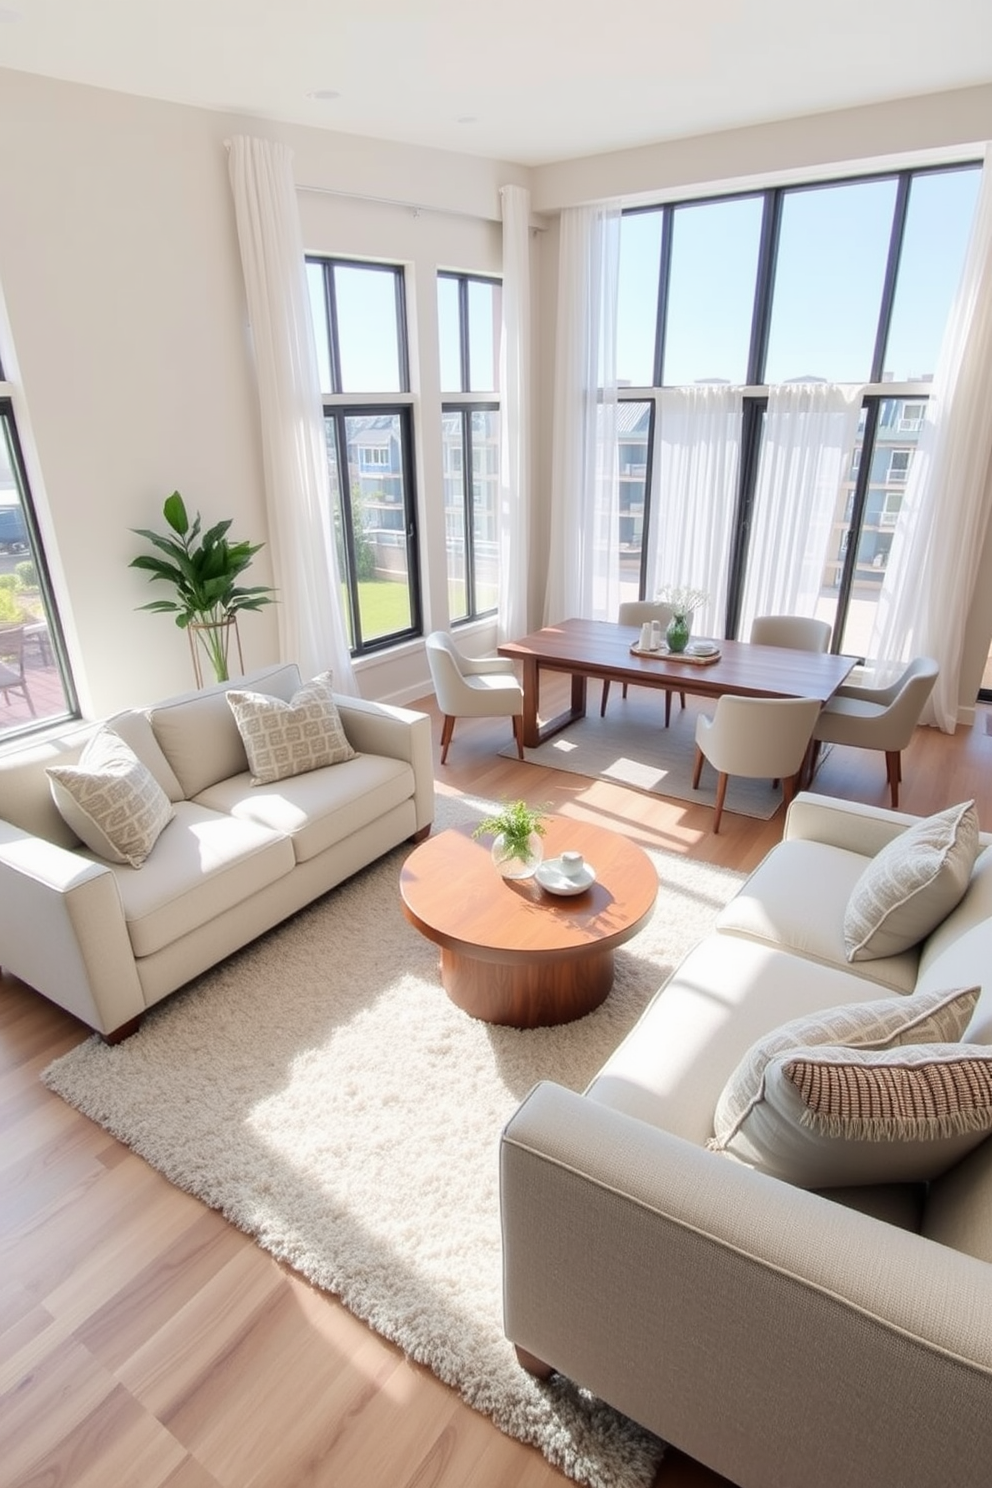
[(631, 746), (320, 1090)]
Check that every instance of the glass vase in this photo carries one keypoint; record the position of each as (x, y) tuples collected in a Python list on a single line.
[(515, 859), (677, 634)]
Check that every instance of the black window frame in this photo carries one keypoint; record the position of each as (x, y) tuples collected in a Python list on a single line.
[(338, 407), (37, 555), (756, 396), (464, 401)]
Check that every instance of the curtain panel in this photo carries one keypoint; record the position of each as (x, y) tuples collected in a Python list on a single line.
[(583, 568), (937, 544), (515, 440), (294, 451)]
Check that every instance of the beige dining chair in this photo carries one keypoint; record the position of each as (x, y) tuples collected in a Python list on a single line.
[(12, 677), (635, 612), (473, 687), (761, 738), (795, 632), (878, 717)]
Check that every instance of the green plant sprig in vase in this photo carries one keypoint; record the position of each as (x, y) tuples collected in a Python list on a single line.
[(203, 571), (517, 830)]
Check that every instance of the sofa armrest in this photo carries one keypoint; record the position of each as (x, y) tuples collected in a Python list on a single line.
[(774, 1335), (397, 733), (848, 824), (62, 930)]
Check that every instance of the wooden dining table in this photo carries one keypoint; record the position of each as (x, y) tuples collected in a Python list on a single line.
[(601, 649)]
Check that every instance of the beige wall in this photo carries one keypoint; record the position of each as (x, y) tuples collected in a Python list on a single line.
[(126, 343)]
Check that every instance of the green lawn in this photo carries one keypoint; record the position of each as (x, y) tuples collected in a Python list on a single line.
[(383, 606)]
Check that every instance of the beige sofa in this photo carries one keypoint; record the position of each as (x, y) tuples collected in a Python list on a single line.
[(779, 1335), (106, 940)]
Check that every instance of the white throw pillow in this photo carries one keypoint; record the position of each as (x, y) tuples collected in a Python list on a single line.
[(283, 739), (912, 884), (830, 1116), (111, 800), (936, 1017)]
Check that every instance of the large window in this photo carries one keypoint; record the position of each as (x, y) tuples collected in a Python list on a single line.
[(468, 336), (849, 282), (360, 325), (35, 683)]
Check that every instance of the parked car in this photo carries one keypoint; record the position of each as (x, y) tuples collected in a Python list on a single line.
[(13, 531)]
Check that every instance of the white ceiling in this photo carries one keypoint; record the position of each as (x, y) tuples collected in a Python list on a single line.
[(531, 81)]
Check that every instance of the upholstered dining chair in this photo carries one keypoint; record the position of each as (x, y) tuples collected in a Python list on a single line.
[(878, 717), (473, 687), (795, 632), (635, 612), (12, 678), (761, 738)]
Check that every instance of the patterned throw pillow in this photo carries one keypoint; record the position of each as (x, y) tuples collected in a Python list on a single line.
[(111, 801), (831, 1116), (936, 1017), (912, 884), (283, 739)]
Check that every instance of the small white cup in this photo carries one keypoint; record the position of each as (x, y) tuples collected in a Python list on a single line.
[(646, 636), (655, 635), (572, 864)]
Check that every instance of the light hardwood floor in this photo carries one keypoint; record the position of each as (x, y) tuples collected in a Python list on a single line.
[(266, 1382)]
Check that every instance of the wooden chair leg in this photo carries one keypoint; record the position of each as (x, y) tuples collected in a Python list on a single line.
[(721, 791), (668, 707), (518, 733), (606, 693), (893, 769), (697, 768), (624, 693), (447, 729)]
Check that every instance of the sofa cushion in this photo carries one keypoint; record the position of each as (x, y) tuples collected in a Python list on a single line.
[(938, 1016), (320, 808), (285, 739), (111, 801), (135, 728), (197, 732), (203, 865), (776, 904), (833, 1116), (673, 1065), (912, 884)]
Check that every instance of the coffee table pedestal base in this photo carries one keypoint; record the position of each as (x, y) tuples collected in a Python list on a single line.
[(528, 994)]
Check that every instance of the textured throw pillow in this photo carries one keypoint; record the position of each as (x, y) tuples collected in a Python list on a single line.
[(831, 1116), (936, 1017), (283, 739), (111, 801), (912, 884)]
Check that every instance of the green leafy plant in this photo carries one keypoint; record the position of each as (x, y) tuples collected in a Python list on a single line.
[(203, 571), (27, 574), (515, 821)]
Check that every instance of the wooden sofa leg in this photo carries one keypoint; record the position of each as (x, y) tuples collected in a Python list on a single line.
[(533, 1364), (422, 835), (118, 1035)]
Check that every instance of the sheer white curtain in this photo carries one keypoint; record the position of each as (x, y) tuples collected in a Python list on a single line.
[(583, 569), (809, 436), (933, 564), (514, 384), (697, 463), (294, 452)]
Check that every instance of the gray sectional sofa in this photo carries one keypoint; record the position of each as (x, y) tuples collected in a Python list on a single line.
[(780, 1334), (106, 940)]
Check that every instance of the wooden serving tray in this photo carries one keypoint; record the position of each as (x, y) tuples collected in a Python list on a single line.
[(664, 653)]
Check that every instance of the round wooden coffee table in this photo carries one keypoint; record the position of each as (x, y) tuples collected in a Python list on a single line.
[(511, 952)]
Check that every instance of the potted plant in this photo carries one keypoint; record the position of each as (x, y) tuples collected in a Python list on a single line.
[(517, 829), (684, 602), (203, 571)]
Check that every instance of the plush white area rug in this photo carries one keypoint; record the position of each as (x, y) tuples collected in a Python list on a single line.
[(320, 1089), (632, 746)]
